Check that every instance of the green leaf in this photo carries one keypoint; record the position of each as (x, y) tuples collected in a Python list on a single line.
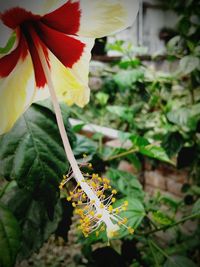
[(10, 237), (155, 152), (9, 45), (77, 128), (32, 153), (102, 98), (138, 141), (126, 78), (185, 116), (125, 183), (179, 261), (196, 207), (134, 213), (35, 225), (133, 158), (172, 143), (147, 149), (189, 64), (161, 218), (122, 112), (84, 145)]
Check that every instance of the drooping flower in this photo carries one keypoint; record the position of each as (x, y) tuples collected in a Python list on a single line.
[(51, 54), (66, 35)]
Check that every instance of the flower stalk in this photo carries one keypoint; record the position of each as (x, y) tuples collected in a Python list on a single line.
[(98, 212)]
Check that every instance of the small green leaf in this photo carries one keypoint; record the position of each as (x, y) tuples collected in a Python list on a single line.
[(189, 64), (179, 261), (9, 45), (196, 207), (119, 111), (102, 98), (77, 128), (155, 152), (126, 78), (84, 145), (10, 237), (125, 183), (134, 213), (138, 141), (161, 218), (185, 116), (172, 143)]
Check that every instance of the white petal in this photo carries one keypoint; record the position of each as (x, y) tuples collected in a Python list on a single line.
[(71, 84), (16, 93), (101, 18)]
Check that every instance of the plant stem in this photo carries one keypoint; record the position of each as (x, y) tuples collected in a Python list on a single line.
[(4, 189), (132, 150), (152, 252), (192, 216), (69, 153), (123, 154), (159, 249)]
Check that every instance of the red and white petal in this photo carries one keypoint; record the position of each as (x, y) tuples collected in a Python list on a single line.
[(16, 93), (101, 18), (65, 19), (66, 48), (71, 84)]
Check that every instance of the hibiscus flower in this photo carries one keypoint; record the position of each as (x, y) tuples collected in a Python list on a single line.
[(51, 56)]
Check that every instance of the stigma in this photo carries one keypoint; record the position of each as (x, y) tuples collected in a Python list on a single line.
[(93, 199)]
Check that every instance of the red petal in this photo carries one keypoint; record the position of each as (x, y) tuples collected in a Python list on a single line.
[(35, 44), (65, 19), (8, 62), (16, 16), (66, 48)]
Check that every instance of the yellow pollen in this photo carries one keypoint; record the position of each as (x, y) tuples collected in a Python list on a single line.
[(131, 230), (113, 199), (91, 213), (97, 233), (102, 228), (61, 186), (117, 211), (110, 208), (106, 180), (94, 176), (90, 165), (125, 203), (114, 192), (125, 220)]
